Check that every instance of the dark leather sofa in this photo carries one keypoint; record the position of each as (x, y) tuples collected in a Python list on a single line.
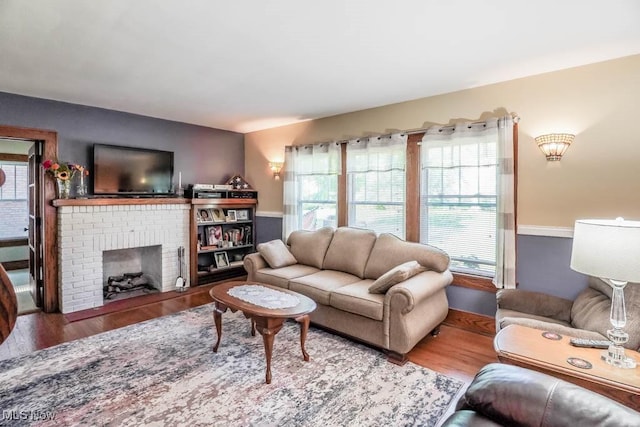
[(505, 395)]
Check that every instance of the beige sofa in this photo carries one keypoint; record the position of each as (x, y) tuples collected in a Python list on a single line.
[(337, 267)]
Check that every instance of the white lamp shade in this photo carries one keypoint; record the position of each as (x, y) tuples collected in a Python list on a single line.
[(609, 249)]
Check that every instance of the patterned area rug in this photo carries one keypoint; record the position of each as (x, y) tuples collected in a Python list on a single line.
[(163, 372)]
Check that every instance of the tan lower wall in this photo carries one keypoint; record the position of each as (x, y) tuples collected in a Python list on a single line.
[(599, 176)]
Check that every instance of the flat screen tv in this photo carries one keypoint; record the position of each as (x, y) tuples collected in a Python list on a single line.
[(119, 170)]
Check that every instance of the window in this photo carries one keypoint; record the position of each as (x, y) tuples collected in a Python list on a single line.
[(318, 203), (466, 202), (311, 187), (13, 200), (459, 196), (376, 184)]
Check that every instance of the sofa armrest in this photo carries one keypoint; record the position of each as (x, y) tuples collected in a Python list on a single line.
[(510, 395), (406, 295), (535, 303), (252, 263)]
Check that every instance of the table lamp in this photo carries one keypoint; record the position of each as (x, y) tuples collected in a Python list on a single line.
[(610, 250)]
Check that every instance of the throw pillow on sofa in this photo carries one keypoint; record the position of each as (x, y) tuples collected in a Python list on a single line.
[(276, 254), (396, 275)]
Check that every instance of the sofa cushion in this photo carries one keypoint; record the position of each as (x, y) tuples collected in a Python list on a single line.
[(310, 247), (355, 298), (390, 251), (318, 286), (349, 250), (276, 254), (396, 275), (281, 276), (592, 306)]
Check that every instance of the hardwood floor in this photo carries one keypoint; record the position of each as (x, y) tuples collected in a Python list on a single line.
[(454, 352)]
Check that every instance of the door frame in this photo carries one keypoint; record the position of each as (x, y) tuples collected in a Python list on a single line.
[(48, 212)]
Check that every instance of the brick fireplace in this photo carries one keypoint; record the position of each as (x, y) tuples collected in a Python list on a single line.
[(86, 232)]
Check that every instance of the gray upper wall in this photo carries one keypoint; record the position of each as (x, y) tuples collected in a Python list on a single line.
[(202, 154)]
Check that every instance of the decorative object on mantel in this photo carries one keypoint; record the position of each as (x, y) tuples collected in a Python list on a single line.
[(239, 183), (63, 174), (81, 188)]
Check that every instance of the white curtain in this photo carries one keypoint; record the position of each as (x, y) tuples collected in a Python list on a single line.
[(377, 154), (506, 233), (317, 159), (463, 165), (376, 183)]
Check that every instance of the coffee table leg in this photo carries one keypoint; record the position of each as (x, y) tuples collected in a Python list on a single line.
[(304, 327), (217, 319), (253, 328), (268, 328)]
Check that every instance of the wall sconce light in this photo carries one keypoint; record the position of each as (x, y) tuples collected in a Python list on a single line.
[(276, 167), (554, 145)]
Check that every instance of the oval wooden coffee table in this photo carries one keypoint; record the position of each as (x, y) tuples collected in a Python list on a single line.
[(267, 321)]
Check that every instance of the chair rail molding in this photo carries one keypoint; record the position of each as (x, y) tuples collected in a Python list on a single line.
[(546, 231), (270, 214)]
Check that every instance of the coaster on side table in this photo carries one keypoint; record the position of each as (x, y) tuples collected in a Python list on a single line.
[(579, 363), (551, 336)]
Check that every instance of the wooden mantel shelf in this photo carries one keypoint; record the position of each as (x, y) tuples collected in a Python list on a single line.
[(114, 201)]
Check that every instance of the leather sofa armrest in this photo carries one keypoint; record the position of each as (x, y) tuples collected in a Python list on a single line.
[(252, 263), (510, 395), (466, 418), (409, 293), (535, 303)]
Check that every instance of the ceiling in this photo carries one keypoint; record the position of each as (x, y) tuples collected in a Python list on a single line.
[(254, 64)]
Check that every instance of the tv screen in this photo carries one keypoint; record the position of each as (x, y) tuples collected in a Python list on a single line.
[(128, 170)]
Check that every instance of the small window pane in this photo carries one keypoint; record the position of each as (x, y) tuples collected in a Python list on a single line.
[(317, 206)]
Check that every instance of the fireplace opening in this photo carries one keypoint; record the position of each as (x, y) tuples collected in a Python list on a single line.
[(131, 272)]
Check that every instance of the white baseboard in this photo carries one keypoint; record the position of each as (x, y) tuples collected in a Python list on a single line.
[(546, 231)]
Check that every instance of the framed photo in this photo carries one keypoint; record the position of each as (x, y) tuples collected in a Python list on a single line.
[(217, 215), (242, 214), (231, 215), (204, 215), (214, 235), (221, 260)]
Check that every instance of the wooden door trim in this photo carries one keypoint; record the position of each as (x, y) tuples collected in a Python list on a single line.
[(13, 157), (49, 217)]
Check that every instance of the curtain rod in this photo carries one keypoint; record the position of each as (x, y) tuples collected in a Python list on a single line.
[(514, 116)]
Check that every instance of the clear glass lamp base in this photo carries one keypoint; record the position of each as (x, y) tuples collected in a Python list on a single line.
[(615, 355)]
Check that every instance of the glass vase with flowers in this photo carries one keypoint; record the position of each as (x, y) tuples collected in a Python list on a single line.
[(63, 173), (81, 187)]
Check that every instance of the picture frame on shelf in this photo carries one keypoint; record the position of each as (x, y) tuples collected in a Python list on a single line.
[(221, 260), (217, 215), (231, 215), (204, 215), (242, 214), (214, 235)]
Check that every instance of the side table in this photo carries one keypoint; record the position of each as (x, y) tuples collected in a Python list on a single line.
[(528, 348)]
